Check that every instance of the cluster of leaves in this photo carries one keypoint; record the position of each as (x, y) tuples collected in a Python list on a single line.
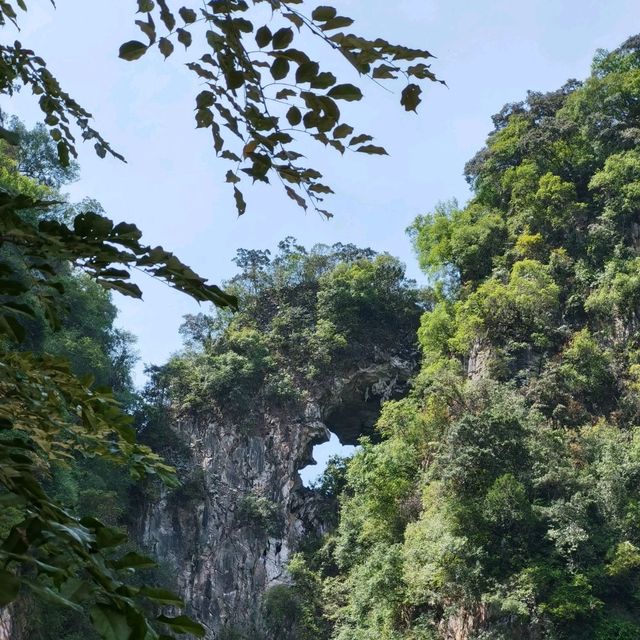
[(260, 513), (22, 67), (504, 497), (266, 91), (264, 96)]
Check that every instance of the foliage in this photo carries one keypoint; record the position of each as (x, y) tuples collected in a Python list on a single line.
[(261, 513), (304, 315), (261, 85), (264, 88), (503, 497), (458, 243)]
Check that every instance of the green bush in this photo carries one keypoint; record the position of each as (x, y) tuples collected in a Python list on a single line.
[(261, 514)]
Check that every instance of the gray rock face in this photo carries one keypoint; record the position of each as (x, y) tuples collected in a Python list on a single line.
[(227, 535), (7, 631)]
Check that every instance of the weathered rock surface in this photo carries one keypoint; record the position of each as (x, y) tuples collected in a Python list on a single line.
[(227, 535)]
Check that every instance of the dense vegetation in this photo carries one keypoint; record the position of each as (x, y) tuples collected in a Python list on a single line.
[(305, 315), (503, 500), (88, 340)]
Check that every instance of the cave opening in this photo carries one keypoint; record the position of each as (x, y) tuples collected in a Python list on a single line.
[(351, 412), (321, 455)]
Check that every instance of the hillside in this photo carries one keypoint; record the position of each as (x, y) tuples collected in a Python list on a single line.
[(503, 499)]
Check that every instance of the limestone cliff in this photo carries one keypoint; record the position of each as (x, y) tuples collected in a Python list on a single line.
[(228, 533)]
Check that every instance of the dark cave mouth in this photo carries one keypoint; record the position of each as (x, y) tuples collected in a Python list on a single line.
[(351, 414)]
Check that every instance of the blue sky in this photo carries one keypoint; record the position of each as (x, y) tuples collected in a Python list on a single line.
[(489, 52)]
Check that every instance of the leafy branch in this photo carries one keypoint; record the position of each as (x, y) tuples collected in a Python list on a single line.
[(239, 86)]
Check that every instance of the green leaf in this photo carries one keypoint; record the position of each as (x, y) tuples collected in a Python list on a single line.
[(148, 28), (163, 596), (76, 590), (342, 131), (188, 15), (63, 153), (132, 50), (296, 197), (372, 150), (110, 623), (337, 23), (232, 177), (421, 71), (241, 205), (282, 38), (322, 14), (234, 78), (263, 36), (184, 38), (183, 624), (106, 537), (307, 72), (9, 587), (280, 68), (295, 18), (384, 72), (294, 116), (92, 225), (242, 25), (73, 531), (166, 47), (134, 560), (166, 16), (205, 99), (320, 188), (411, 97), (283, 94), (345, 92), (323, 80), (53, 596), (204, 118), (360, 139)]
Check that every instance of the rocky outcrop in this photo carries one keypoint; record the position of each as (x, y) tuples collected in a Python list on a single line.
[(227, 534), (6, 624), (482, 623)]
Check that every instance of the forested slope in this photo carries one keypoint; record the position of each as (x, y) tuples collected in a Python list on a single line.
[(503, 501)]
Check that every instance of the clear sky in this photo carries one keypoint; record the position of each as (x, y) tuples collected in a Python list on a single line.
[(489, 51)]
